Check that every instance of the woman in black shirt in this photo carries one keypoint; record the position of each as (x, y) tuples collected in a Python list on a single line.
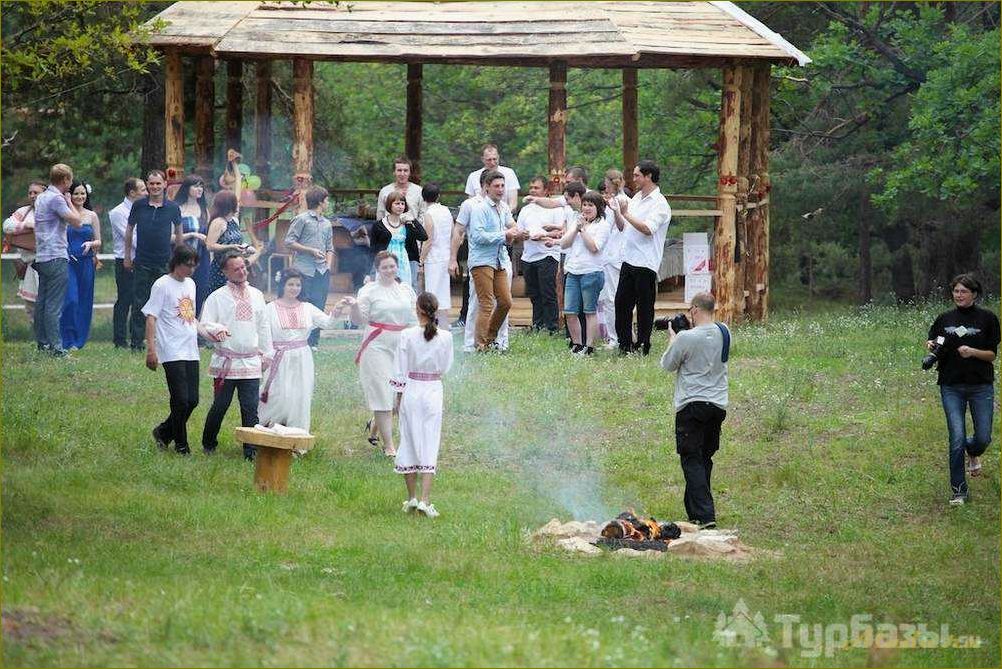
[(966, 341)]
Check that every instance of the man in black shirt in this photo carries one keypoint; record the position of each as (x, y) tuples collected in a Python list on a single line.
[(155, 219), (966, 342)]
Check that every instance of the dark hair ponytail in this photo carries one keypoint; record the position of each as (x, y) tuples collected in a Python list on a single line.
[(427, 305)]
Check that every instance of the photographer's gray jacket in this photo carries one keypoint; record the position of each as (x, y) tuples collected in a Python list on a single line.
[(702, 376)]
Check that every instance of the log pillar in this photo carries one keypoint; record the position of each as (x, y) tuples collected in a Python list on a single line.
[(413, 128), (173, 116), (725, 284), (302, 120), (631, 135), (556, 150), (262, 123), (757, 274), (741, 251), (205, 97), (234, 104)]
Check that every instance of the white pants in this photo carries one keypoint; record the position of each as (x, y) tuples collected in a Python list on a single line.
[(607, 302), (469, 333)]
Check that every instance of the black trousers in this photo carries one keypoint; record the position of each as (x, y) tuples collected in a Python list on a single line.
[(143, 277), (247, 396), (638, 288), (541, 286), (697, 438), (464, 279), (315, 291), (182, 384), (124, 285)]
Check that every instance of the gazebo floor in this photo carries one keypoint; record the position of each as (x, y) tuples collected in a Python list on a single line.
[(667, 304)]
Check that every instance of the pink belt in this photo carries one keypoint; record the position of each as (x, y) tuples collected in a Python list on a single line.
[(424, 376), (377, 329), (228, 358), (280, 348)]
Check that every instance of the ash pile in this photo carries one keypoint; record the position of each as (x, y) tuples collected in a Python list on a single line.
[(629, 535)]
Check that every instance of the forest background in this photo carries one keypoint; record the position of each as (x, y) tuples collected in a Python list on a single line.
[(890, 137)]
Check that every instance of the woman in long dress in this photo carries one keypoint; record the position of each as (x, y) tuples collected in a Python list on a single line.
[(195, 226), (287, 390), (385, 307), (225, 235), (423, 358), (83, 245), (438, 223)]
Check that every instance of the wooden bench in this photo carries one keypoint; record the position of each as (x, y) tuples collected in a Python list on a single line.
[(274, 456)]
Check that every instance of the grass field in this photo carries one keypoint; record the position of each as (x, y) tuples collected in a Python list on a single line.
[(833, 460)]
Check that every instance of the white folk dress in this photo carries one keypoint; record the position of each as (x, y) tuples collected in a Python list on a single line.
[(436, 265), (287, 393), (381, 306), (418, 370)]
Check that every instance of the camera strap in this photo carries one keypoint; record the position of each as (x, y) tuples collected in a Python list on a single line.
[(725, 351)]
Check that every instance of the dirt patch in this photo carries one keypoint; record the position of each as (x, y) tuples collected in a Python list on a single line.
[(30, 626)]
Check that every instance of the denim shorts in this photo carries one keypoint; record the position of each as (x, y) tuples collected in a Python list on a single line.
[(581, 292)]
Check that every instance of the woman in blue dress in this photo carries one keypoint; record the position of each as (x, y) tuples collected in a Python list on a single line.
[(195, 225), (225, 235), (398, 233), (83, 246)]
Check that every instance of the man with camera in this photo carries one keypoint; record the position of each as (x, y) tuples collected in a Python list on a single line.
[(698, 348)]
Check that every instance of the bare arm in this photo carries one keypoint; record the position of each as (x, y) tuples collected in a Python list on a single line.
[(151, 351), (216, 228), (127, 262), (458, 235), (429, 228)]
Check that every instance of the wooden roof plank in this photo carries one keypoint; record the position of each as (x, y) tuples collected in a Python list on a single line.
[(427, 28)]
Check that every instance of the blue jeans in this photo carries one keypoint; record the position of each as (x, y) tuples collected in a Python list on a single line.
[(955, 401), (581, 292), (53, 278)]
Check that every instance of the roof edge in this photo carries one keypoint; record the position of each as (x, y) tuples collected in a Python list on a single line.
[(762, 30)]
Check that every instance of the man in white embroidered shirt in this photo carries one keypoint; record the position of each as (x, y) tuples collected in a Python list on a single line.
[(233, 317), (644, 224)]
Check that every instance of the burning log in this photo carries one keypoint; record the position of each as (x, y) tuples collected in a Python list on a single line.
[(630, 531)]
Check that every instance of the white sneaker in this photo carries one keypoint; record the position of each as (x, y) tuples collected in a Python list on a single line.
[(958, 500), (611, 345), (427, 509), (410, 505)]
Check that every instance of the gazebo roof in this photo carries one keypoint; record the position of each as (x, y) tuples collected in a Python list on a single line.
[(588, 34)]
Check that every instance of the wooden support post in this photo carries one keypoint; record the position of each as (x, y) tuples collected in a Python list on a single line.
[(725, 271), (744, 179), (631, 135), (262, 123), (234, 104), (413, 129), (173, 116), (757, 274), (302, 120), (205, 97), (556, 150)]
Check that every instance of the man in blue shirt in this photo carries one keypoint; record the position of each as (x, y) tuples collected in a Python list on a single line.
[(53, 212), (155, 219), (491, 227)]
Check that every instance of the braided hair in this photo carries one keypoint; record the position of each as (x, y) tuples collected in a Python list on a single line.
[(427, 305)]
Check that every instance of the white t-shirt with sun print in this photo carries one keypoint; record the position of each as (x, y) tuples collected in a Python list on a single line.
[(172, 302)]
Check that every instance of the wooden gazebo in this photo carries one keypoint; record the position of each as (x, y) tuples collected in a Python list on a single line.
[(556, 35)]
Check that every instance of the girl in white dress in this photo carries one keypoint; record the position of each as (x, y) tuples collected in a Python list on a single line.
[(385, 307), (423, 357), (287, 390), (438, 223)]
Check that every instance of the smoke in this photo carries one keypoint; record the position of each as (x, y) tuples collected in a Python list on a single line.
[(546, 441)]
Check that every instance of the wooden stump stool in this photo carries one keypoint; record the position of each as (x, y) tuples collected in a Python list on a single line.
[(274, 456)]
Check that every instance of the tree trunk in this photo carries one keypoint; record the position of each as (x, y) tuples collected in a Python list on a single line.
[(153, 156), (865, 292), (902, 272)]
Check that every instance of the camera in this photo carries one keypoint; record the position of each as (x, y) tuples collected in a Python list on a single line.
[(933, 357), (678, 323)]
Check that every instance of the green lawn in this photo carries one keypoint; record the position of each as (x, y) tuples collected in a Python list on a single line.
[(834, 460)]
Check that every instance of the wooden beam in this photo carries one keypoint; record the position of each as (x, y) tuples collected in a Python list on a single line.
[(302, 120), (556, 148), (757, 274), (631, 134), (262, 123), (205, 97), (725, 284), (173, 116), (234, 104), (413, 128), (741, 217)]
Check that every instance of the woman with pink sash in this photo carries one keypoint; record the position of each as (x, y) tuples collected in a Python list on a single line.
[(287, 393), (385, 307)]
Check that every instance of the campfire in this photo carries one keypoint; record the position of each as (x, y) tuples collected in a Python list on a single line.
[(638, 533)]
